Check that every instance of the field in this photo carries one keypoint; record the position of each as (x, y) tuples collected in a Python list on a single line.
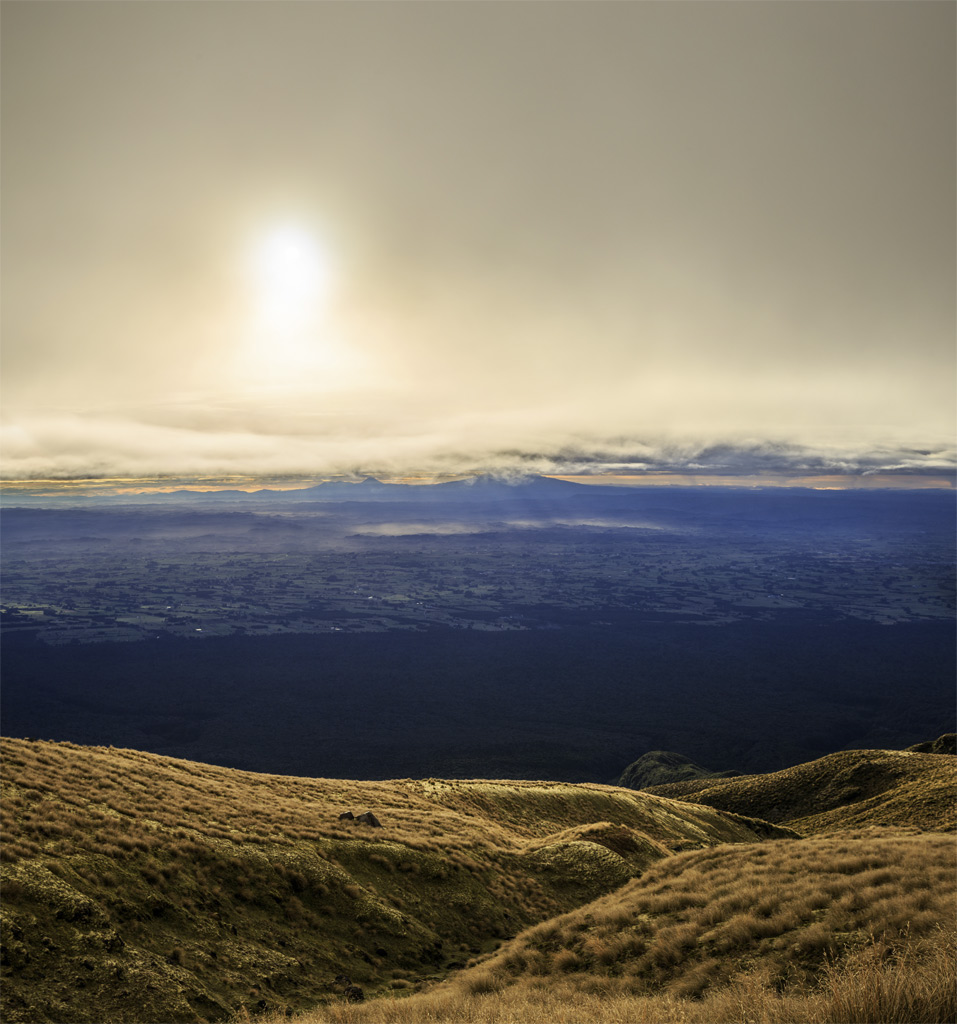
[(572, 704), (133, 573), (127, 874), (856, 928)]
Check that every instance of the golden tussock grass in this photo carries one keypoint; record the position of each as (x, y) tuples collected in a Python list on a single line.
[(772, 950), (875, 985), (140, 888), (845, 790), (193, 879), (60, 789)]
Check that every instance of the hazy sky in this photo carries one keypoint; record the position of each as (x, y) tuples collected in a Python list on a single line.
[(319, 238)]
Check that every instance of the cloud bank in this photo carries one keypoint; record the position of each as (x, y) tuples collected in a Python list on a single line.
[(67, 447)]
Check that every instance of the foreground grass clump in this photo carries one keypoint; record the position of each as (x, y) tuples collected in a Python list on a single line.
[(834, 929), (874, 986), (143, 888)]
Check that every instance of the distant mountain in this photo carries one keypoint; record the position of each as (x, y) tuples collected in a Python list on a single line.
[(367, 489), (483, 488), (488, 486)]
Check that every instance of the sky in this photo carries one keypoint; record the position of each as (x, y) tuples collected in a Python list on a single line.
[(301, 240)]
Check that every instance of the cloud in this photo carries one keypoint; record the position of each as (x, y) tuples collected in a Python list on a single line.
[(535, 269), (69, 447), (417, 529), (541, 523)]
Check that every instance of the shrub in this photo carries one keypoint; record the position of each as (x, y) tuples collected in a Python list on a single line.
[(481, 983), (566, 960)]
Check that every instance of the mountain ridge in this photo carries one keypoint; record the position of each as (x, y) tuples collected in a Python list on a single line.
[(661, 767), (483, 487)]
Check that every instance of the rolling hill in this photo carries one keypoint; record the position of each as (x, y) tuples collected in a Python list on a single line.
[(144, 888), (664, 767), (856, 927), (847, 789)]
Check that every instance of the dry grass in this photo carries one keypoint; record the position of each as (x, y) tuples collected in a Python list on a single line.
[(626, 958), (141, 888), (53, 790), (873, 986), (849, 789), (788, 904), (200, 883)]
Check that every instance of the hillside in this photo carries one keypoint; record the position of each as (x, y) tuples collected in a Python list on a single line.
[(664, 767), (858, 927), (143, 888), (945, 744), (848, 789)]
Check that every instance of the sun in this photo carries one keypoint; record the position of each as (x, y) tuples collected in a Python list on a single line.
[(292, 338), (292, 278)]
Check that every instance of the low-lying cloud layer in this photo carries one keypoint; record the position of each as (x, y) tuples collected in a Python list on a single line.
[(415, 529), (69, 447)]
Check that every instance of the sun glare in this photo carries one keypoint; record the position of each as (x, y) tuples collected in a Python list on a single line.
[(292, 340), (292, 276)]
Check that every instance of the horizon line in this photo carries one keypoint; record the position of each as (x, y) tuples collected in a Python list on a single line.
[(250, 484)]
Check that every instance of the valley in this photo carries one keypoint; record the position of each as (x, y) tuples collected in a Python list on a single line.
[(132, 572), (212, 694), (530, 630)]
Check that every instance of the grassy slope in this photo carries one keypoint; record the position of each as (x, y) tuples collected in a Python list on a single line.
[(849, 789), (144, 888), (854, 927)]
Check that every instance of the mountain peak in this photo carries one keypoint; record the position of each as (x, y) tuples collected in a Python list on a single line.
[(525, 483)]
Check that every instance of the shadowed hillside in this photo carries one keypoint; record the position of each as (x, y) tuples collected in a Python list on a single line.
[(143, 888), (848, 789), (664, 767), (946, 744)]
